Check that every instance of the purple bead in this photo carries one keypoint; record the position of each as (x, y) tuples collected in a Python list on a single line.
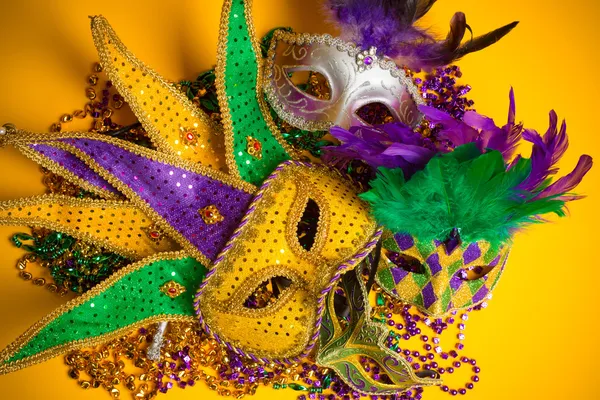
[(462, 391), (445, 388), (368, 60), (476, 370), (453, 392)]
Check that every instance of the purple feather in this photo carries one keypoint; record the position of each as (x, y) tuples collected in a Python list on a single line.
[(478, 128), (545, 153), (564, 185), (453, 130), (393, 145), (503, 139), (389, 25)]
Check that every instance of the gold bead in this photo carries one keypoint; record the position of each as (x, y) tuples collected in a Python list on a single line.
[(21, 265), (97, 67), (90, 93), (79, 114), (93, 79), (115, 393), (66, 118), (25, 275), (118, 104), (85, 384), (39, 281), (56, 127)]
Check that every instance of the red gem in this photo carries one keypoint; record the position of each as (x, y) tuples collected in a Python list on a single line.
[(190, 136), (257, 145), (172, 290), (154, 235)]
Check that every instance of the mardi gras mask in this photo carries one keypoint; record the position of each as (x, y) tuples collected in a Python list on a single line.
[(211, 218), (440, 277), (267, 247), (355, 79), (351, 350)]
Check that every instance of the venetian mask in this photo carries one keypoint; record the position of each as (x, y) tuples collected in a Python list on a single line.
[(268, 248), (355, 78), (439, 277)]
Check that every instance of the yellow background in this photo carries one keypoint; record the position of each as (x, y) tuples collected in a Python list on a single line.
[(538, 338)]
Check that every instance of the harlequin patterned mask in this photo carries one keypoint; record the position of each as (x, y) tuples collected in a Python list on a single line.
[(440, 277), (355, 78)]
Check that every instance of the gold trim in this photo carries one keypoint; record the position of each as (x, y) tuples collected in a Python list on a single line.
[(85, 236), (308, 192), (22, 340), (23, 137)]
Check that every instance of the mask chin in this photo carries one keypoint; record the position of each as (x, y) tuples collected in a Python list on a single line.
[(440, 277), (350, 85)]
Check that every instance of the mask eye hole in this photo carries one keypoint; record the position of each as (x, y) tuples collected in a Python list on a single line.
[(375, 114), (342, 306), (267, 292), (406, 262), (313, 83), (475, 272), (308, 225)]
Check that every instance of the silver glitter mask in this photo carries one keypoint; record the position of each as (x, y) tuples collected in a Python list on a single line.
[(356, 78)]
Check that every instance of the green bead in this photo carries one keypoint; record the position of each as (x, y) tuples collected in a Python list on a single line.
[(380, 299), (327, 381), (296, 386)]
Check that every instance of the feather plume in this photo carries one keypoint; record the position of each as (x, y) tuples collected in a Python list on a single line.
[(389, 25), (546, 152), (466, 190)]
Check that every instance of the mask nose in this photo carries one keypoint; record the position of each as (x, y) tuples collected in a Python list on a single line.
[(436, 292), (438, 304)]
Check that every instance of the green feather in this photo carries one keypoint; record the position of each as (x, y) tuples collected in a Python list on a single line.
[(464, 189)]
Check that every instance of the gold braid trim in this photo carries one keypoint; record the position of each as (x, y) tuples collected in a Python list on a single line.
[(18, 344), (27, 137)]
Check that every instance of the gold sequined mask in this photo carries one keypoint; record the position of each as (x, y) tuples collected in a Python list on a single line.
[(267, 247)]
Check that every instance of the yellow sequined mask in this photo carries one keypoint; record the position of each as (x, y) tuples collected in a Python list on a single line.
[(267, 247)]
